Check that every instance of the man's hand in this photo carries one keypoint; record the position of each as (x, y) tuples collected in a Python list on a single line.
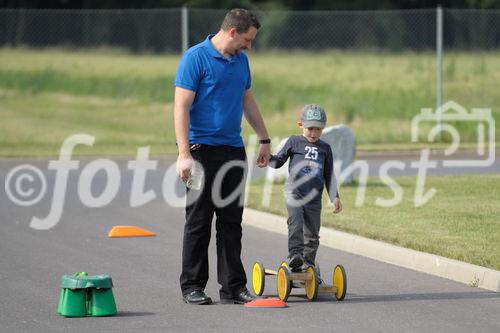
[(184, 165), (338, 206), (264, 155)]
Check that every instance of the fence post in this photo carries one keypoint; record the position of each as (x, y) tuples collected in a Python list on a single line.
[(185, 28), (439, 59)]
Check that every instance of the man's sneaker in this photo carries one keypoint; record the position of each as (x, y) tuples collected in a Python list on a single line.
[(197, 297), (295, 262), (242, 297)]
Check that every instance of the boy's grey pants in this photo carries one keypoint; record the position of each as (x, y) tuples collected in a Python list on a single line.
[(304, 222)]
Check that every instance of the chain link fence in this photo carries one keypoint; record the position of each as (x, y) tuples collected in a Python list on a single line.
[(471, 30), (160, 30), (381, 30), (139, 31)]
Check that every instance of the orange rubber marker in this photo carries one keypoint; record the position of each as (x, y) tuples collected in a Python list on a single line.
[(129, 231)]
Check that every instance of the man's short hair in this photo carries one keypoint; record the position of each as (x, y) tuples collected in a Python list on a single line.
[(240, 19)]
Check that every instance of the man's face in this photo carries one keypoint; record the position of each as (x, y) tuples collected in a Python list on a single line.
[(243, 41)]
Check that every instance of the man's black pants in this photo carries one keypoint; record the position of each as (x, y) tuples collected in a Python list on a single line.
[(199, 215)]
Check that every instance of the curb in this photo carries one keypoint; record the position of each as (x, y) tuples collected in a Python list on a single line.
[(451, 269)]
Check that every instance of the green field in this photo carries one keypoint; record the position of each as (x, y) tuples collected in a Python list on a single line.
[(126, 100), (460, 221)]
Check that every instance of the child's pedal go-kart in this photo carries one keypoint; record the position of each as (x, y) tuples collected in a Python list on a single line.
[(308, 279)]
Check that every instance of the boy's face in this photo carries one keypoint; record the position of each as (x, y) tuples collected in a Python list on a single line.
[(312, 134)]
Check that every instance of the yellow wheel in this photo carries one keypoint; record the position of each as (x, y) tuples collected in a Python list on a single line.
[(283, 283), (340, 282), (312, 284), (258, 278)]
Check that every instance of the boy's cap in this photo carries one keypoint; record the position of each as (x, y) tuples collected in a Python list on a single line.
[(313, 115)]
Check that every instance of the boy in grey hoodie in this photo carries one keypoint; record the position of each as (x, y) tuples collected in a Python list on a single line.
[(310, 170)]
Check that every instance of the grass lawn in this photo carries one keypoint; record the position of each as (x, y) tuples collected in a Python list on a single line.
[(36, 125), (126, 100), (461, 221)]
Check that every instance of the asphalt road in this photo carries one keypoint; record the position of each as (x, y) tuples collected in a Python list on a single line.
[(145, 271)]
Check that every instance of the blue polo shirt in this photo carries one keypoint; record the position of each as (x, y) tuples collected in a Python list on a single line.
[(219, 83)]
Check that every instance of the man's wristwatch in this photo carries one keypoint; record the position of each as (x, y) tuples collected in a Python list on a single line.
[(265, 141)]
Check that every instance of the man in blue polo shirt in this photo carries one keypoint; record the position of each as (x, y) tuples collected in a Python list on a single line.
[(212, 93)]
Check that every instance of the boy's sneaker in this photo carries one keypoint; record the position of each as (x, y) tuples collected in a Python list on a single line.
[(318, 273), (295, 262), (316, 268)]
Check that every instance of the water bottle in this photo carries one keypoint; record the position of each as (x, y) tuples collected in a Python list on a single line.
[(195, 179)]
